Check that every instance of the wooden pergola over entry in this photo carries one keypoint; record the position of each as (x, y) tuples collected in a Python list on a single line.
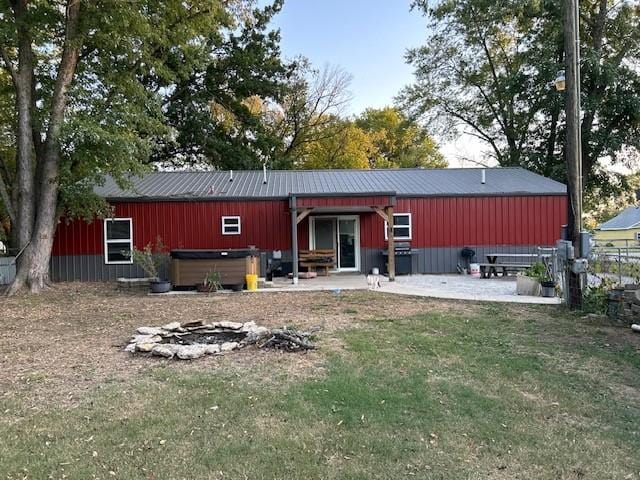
[(382, 203)]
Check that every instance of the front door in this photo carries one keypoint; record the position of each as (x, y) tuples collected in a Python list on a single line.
[(341, 234)]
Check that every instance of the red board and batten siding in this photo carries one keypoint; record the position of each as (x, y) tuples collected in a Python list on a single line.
[(266, 224), (460, 221), (436, 222)]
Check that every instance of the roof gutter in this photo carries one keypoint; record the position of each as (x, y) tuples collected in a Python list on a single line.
[(285, 198)]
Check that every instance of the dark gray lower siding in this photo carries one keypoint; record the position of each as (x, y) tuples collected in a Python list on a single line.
[(91, 268), (440, 259)]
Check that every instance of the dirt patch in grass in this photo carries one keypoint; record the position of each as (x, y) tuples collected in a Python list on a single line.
[(59, 344)]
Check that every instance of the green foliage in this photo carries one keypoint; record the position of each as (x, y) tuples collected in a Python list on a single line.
[(148, 75), (538, 270), (399, 142), (602, 207), (382, 138), (595, 296), (213, 281), (342, 145), (151, 258), (216, 107), (487, 69)]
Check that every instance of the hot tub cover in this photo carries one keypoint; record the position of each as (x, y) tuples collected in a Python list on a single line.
[(211, 254)]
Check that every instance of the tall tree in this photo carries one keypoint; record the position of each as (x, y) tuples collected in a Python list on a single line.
[(310, 112), (400, 141), (339, 144), (488, 67), (89, 80), (217, 109)]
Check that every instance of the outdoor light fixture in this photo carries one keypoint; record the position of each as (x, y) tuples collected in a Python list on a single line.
[(560, 82)]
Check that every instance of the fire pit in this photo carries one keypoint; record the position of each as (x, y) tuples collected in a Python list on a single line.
[(187, 341)]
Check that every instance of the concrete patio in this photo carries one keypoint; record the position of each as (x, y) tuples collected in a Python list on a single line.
[(458, 287)]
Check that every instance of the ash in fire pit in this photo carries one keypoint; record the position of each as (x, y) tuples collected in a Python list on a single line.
[(191, 340)]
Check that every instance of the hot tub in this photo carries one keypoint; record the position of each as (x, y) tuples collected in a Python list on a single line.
[(190, 267)]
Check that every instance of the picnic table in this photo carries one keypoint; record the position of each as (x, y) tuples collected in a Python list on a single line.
[(491, 266)]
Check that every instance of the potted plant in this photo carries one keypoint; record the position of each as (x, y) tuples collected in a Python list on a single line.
[(151, 258), (547, 284), (548, 288), (211, 282)]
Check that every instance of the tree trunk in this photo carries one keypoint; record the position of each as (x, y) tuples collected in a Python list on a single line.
[(33, 268), (37, 214), (24, 141)]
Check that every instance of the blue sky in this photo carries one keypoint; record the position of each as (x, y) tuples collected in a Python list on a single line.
[(367, 38)]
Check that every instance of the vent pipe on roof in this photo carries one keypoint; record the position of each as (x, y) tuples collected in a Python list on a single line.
[(264, 173), (484, 176), (231, 175)]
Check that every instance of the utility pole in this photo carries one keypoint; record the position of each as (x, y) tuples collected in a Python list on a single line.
[(573, 147)]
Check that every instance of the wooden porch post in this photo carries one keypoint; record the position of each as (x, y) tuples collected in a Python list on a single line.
[(391, 259), (294, 237)]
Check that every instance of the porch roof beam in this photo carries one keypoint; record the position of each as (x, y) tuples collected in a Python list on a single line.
[(303, 214), (381, 212)]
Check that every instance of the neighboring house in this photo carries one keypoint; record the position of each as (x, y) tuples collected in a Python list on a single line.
[(438, 212), (622, 230)]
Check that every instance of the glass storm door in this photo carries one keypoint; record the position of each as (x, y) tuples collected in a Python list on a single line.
[(340, 234), (325, 233), (347, 241)]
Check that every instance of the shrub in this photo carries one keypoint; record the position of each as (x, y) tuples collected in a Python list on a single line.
[(538, 270), (594, 297), (151, 258)]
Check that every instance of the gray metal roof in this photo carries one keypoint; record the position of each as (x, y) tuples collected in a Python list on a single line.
[(628, 218), (282, 183)]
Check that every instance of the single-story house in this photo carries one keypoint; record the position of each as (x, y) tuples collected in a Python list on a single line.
[(622, 230), (435, 213)]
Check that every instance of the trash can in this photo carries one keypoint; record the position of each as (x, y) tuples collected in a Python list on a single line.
[(474, 269)]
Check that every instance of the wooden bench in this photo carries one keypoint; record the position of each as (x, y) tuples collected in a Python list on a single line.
[(313, 259), (486, 269)]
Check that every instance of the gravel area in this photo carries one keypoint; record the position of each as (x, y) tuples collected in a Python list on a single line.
[(462, 287)]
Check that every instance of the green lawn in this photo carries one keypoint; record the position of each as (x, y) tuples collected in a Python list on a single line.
[(452, 392)]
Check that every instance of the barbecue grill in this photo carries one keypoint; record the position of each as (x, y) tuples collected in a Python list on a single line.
[(404, 254)]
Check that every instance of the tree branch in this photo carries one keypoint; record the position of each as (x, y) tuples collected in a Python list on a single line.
[(480, 134), (66, 71), (6, 200)]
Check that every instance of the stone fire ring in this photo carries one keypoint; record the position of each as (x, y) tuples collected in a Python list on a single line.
[(192, 340)]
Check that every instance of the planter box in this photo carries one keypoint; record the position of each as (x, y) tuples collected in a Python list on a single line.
[(527, 286)]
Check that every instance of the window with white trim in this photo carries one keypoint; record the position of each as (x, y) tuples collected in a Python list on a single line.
[(118, 240), (401, 227), (231, 225), (638, 236)]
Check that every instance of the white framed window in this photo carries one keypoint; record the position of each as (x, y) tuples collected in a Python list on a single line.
[(401, 227), (231, 225), (118, 241), (638, 236)]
